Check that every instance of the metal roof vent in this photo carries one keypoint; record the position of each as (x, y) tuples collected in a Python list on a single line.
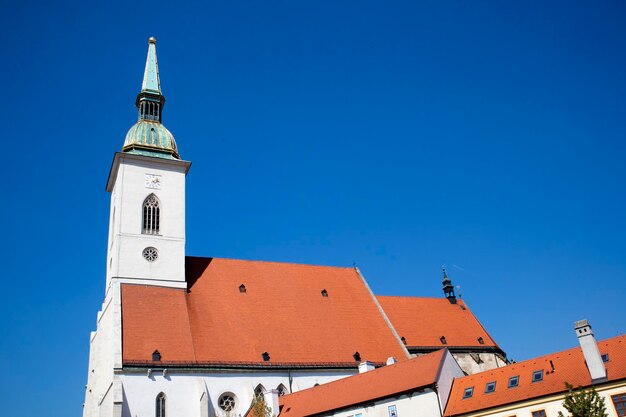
[(443, 340), (357, 356), (156, 356), (242, 288), (324, 293), (266, 356)]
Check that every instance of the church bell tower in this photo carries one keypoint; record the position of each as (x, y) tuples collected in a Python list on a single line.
[(147, 185)]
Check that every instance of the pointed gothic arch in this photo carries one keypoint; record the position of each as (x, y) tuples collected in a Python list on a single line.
[(160, 405), (259, 390), (151, 215), (282, 390)]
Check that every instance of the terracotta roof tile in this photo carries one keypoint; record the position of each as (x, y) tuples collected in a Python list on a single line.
[(379, 383), (155, 318), (282, 312), (422, 321), (569, 366)]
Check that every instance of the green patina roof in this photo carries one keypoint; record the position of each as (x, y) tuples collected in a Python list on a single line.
[(152, 139), (148, 136)]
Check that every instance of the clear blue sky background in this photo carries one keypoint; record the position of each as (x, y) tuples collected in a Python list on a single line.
[(400, 136)]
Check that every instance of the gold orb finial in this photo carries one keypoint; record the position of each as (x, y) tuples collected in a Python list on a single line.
[(152, 40)]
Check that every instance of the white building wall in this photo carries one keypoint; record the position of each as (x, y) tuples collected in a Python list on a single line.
[(187, 393), (449, 370), (419, 404)]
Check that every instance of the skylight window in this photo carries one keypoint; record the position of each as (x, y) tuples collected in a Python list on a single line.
[(605, 357), (538, 376), (468, 392), (514, 381), (490, 387)]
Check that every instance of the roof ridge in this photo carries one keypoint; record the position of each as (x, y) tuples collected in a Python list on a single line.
[(269, 262)]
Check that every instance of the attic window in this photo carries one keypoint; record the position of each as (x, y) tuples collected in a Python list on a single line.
[(156, 356), (605, 357), (443, 340), (490, 387), (468, 392), (538, 375), (357, 356), (514, 381), (403, 340), (266, 356), (324, 293), (242, 288), (481, 340)]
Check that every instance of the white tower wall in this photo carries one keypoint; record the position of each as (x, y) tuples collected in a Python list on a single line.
[(132, 179)]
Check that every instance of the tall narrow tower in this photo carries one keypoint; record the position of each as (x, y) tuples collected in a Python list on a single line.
[(147, 186)]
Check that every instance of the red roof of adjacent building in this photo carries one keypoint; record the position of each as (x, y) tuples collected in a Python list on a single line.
[(567, 366), (383, 382), (423, 321), (282, 312)]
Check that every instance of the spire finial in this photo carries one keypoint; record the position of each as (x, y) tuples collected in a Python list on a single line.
[(151, 82)]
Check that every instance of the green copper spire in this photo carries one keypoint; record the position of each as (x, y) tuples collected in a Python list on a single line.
[(151, 81), (148, 136)]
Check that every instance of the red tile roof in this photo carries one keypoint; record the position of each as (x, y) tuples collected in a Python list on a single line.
[(282, 312), (422, 321), (380, 383), (569, 366)]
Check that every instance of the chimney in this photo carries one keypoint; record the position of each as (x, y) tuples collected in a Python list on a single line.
[(366, 366), (591, 351), (271, 400)]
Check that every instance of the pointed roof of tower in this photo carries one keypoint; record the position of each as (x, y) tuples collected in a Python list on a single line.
[(148, 136), (151, 82)]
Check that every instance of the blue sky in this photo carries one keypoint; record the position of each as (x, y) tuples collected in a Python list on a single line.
[(398, 136)]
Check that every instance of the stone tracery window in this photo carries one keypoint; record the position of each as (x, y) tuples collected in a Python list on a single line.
[(151, 215), (160, 405), (282, 390), (227, 402)]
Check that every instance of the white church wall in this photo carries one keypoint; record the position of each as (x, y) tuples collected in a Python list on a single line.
[(185, 395)]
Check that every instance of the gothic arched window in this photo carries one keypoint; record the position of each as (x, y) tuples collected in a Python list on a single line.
[(151, 215), (160, 405)]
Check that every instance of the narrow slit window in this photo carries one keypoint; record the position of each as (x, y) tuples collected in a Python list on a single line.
[(160, 405), (151, 215)]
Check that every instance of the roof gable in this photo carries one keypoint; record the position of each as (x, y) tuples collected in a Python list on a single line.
[(383, 382), (423, 321)]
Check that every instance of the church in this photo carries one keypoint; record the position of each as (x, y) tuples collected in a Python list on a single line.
[(201, 336)]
